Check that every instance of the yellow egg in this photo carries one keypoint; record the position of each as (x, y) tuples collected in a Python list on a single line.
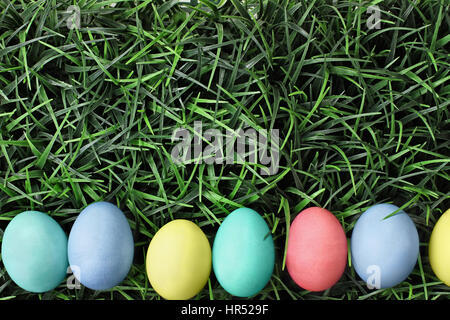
[(439, 248), (179, 260)]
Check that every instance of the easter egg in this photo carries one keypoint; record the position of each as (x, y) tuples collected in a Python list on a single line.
[(178, 260), (439, 248), (384, 250), (100, 246), (243, 253), (316, 254), (34, 251)]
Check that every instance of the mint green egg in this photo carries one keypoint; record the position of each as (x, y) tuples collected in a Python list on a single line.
[(34, 251), (243, 253)]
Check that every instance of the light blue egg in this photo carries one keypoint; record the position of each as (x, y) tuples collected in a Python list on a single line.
[(243, 253), (34, 251), (384, 252), (101, 246)]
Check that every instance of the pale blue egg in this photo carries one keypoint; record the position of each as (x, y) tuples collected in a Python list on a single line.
[(101, 246), (384, 251)]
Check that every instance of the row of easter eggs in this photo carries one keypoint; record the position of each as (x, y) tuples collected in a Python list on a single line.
[(100, 249)]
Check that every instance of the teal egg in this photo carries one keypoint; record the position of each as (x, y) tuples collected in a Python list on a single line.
[(243, 253), (34, 251)]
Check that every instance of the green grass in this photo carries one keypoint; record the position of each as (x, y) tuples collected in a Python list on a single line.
[(87, 115)]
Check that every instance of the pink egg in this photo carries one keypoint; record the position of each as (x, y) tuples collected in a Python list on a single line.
[(317, 249)]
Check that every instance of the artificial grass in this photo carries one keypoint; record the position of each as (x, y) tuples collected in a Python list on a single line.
[(87, 114)]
